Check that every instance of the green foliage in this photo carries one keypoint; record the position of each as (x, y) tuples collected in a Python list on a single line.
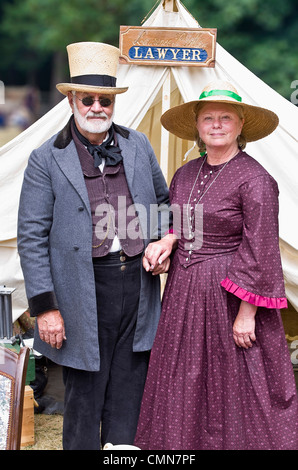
[(262, 34), (49, 25)]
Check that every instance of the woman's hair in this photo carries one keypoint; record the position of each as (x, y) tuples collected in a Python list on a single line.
[(237, 109)]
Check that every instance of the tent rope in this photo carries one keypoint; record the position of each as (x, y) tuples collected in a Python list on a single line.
[(153, 8)]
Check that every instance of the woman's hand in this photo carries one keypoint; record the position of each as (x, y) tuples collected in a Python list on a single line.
[(156, 257), (244, 325), (51, 328), (162, 268)]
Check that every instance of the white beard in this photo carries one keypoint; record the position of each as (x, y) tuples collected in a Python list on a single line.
[(90, 126)]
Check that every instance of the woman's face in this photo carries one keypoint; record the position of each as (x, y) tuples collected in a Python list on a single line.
[(219, 125)]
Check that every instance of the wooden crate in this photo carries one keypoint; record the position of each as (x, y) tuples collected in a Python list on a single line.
[(27, 438)]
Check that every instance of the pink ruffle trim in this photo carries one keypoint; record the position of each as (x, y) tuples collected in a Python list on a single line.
[(255, 299)]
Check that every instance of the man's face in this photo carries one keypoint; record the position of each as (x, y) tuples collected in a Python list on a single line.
[(92, 118)]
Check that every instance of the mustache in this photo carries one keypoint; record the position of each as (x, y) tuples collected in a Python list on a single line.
[(102, 114)]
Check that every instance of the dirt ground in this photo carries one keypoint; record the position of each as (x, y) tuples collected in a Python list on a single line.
[(48, 432), (48, 423)]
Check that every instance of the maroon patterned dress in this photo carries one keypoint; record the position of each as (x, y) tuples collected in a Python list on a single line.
[(202, 391)]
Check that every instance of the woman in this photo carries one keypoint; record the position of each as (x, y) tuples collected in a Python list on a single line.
[(220, 375)]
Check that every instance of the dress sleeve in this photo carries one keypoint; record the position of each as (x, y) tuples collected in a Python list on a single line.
[(255, 274)]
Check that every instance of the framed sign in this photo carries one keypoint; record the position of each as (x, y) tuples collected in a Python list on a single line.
[(167, 46)]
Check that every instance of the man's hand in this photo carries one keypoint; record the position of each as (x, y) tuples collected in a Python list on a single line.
[(51, 328)]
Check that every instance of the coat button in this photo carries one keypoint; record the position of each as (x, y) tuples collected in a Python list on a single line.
[(123, 268), (122, 258), (81, 208), (76, 248)]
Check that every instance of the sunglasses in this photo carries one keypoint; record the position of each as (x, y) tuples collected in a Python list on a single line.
[(89, 101)]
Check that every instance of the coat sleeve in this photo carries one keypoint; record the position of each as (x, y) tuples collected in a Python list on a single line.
[(164, 216), (255, 274), (34, 225)]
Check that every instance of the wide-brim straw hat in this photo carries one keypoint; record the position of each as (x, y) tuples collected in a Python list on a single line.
[(93, 69), (181, 120)]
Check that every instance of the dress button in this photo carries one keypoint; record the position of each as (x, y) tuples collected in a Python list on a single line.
[(123, 268)]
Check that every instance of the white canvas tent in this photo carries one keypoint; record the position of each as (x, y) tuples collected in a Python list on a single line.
[(152, 90)]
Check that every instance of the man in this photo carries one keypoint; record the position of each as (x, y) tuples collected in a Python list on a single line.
[(81, 241)]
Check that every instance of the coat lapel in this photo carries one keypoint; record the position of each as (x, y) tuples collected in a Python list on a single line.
[(68, 160), (128, 150)]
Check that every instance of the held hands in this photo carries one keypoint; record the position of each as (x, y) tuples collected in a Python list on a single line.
[(244, 325), (156, 258), (51, 328)]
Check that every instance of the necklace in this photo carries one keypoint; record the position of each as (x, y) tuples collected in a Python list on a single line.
[(189, 217)]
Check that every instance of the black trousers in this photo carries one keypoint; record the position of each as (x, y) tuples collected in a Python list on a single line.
[(104, 406)]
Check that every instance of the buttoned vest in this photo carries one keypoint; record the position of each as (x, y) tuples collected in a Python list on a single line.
[(112, 207)]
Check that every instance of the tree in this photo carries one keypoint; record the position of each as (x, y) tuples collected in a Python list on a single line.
[(261, 34), (33, 31)]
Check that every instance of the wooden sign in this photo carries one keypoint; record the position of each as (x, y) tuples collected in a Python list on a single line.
[(167, 46)]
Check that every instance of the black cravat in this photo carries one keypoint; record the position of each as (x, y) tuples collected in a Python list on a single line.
[(111, 153)]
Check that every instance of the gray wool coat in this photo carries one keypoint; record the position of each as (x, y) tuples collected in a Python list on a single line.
[(55, 242)]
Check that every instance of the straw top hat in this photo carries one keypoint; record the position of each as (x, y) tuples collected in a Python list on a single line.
[(93, 68), (181, 120)]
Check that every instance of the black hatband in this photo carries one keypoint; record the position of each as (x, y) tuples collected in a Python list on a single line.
[(95, 80)]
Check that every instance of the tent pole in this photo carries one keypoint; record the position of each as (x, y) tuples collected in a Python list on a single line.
[(164, 146)]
